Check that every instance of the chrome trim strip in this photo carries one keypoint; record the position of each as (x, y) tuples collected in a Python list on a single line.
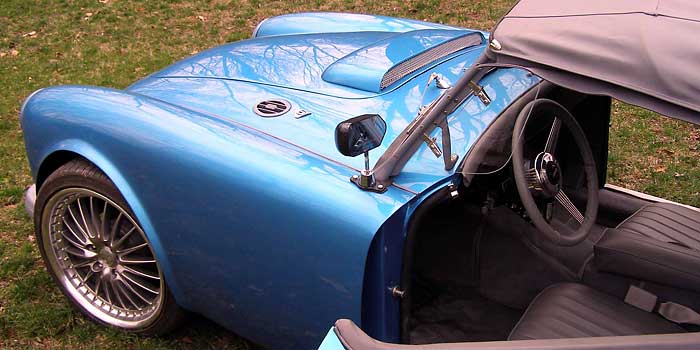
[(399, 186), (646, 197)]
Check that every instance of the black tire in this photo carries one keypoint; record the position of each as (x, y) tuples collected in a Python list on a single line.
[(81, 174)]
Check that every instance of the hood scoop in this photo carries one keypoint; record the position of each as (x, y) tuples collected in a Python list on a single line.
[(375, 67)]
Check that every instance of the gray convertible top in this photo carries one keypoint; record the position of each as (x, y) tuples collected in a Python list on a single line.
[(644, 52)]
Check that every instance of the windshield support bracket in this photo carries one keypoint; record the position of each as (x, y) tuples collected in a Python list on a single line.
[(448, 158), (400, 151), (479, 92)]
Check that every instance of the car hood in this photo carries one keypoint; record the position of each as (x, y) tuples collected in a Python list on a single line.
[(228, 82), (357, 64)]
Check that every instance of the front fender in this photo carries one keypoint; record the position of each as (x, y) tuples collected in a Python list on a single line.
[(43, 140), (96, 157), (257, 234), (333, 22)]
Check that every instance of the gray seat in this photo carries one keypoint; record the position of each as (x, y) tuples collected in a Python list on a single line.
[(666, 222), (571, 310)]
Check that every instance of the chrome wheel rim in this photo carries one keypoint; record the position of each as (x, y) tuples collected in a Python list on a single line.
[(102, 258)]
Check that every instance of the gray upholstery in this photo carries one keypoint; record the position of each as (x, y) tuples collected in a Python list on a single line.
[(647, 259), (353, 338), (666, 222), (570, 310)]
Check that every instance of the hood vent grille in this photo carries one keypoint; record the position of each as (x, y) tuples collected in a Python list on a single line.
[(272, 108), (421, 60)]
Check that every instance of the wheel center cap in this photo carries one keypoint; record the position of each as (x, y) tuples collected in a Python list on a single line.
[(107, 257)]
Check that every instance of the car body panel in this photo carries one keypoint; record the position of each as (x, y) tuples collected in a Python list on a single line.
[(201, 230), (234, 100), (254, 220), (294, 61), (331, 341), (333, 22), (319, 63)]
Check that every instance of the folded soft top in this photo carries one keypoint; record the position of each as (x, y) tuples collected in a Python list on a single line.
[(643, 52)]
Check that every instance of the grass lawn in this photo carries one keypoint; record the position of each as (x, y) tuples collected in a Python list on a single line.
[(115, 42)]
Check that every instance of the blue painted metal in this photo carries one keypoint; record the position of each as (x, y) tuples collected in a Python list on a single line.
[(327, 22), (295, 61), (195, 181), (380, 309), (253, 219), (233, 98), (364, 69), (331, 341)]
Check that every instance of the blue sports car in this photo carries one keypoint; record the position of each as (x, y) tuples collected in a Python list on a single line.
[(392, 180)]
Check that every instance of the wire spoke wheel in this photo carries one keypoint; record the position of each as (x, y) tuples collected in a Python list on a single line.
[(102, 258)]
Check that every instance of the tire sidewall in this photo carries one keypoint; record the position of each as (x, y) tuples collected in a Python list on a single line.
[(94, 180)]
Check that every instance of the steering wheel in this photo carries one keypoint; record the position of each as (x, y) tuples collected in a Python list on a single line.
[(543, 182)]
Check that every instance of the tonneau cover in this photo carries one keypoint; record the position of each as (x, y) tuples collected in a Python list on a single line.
[(644, 52)]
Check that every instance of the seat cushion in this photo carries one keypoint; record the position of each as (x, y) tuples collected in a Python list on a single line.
[(571, 310), (666, 222)]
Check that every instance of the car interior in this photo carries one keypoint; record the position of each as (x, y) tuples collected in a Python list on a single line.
[(482, 270)]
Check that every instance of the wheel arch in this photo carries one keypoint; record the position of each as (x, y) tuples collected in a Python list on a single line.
[(74, 149), (52, 162)]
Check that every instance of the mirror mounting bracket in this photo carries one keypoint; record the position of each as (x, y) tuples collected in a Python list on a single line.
[(366, 179), (367, 182)]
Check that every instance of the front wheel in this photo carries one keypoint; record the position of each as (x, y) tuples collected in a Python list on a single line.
[(99, 255)]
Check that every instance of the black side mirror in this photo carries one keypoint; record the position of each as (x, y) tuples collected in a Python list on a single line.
[(360, 134)]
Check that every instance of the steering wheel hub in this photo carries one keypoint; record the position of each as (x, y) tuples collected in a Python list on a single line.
[(549, 175)]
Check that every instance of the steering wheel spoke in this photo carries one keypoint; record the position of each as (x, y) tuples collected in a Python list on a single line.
[(565, 202), (553, 136)]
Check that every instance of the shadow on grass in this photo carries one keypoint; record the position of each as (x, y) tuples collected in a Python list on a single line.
[(201, 333), (76, 332)]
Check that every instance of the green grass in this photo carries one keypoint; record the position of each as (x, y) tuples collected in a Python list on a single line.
[(115, 42), (655, 155)]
